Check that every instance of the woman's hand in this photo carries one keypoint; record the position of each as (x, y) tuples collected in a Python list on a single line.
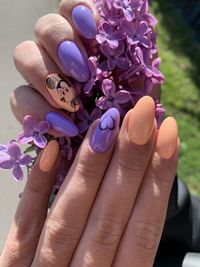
[(111, 208)]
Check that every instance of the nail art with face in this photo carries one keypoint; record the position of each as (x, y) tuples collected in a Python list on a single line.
[(63, 92)]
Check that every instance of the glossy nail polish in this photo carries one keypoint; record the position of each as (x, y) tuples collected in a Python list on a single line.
[(167, 138), (49, 156), (84, 21), (61, 124), (73, 61), (106, 131), (141, 121), (63, 92)]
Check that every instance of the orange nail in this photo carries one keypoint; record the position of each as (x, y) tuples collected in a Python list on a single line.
[(167, 138), (141, 122), (49, 156), (63, 92)]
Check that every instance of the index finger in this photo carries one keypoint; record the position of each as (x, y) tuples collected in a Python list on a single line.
[(82, 15)]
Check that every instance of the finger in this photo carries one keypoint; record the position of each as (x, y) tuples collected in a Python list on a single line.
[(57, 36), (39, 70), (31, 213), (142, 236), (68, 216), (82, 15), (26, 101), (119, 189)]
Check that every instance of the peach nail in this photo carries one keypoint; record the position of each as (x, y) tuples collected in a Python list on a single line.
[(167, 138), (49, 156), (63, 92), (141, 122)]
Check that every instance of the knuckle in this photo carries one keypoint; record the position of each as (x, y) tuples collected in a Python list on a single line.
[(27, 228), (51, 23), (147, 235), (130, 165), (108, 231), (60, 234)]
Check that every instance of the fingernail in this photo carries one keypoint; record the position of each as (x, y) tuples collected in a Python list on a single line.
[(84, 21), (63, 92), (141, 121), (61, 124), (167, 138), (106, 131), (73, 61), (49, 156)]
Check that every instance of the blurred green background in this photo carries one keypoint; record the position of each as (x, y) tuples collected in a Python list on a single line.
[(180, 53)]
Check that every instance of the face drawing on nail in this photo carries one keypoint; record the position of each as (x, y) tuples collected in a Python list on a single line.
[(63, 92)]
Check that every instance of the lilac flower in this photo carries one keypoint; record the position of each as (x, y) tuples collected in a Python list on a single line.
[(160, 113), (86, 119), (112, 98), (145, 15), (34, 132), (136, 33), (108, 35), (12, 158), (95, 74), (115, 57), (128, 7)]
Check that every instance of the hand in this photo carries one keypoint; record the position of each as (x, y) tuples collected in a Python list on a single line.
[(112, 205)]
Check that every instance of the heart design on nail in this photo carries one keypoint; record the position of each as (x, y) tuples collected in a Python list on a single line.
[(107, 122)]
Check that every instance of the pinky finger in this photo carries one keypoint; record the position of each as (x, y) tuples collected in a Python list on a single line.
[(31, 213), (139, 244)]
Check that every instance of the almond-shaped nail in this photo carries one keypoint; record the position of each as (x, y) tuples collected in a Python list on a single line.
[(141, 121), (49, 156), (61, 125), (73, 61), (63, 92), (106, 131), (84, 21), (167, 138)]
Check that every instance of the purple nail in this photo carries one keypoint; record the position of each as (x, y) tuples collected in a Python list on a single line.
[(61, 124), (84, 21), (106, 131), (73, 61)]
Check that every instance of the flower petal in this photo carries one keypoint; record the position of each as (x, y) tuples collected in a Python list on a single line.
[(113, 43), (40, 141), (108, 88), (23, 139), (83, 126), (82, 114), (122, 97), (96, 114), (3, 148), (14, 150), (25, 160), (6, 162), (42, 127), (103, 103), (17, 173), (29, 123)]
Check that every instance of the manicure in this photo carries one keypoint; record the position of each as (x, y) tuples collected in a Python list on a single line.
[(61, 124), (167, 138), (49, 156), (63, 92), (106, 131), (84, 21), (141, 122), (73, 61)]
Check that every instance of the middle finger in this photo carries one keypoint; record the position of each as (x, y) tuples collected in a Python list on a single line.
[(64, 46)]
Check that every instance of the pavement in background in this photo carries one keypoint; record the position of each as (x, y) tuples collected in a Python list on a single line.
[(17, 19)]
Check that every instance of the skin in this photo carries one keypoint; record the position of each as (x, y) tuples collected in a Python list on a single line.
[(111, 209)]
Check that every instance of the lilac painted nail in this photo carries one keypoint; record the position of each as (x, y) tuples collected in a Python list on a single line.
[(84, 21), (105, 132), (73, 61), (61, 124)]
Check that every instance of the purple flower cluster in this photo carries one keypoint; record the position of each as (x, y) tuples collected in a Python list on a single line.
[(125, 65)]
